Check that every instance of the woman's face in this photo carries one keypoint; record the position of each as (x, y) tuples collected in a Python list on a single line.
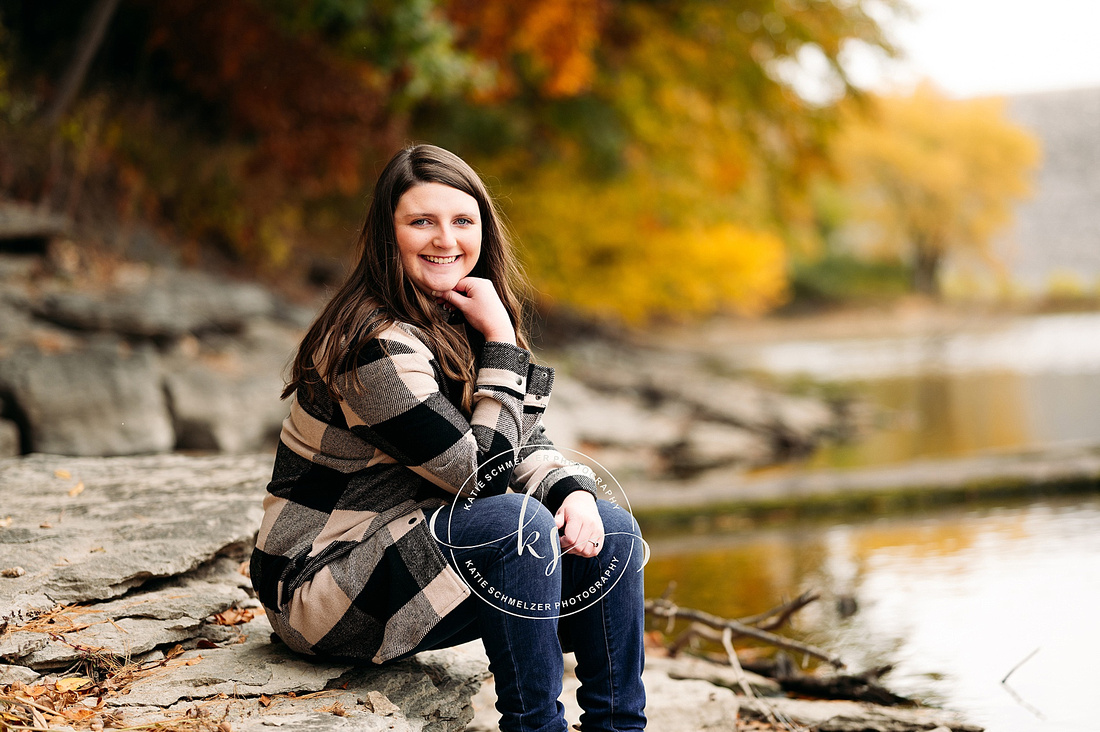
[(438, 235)]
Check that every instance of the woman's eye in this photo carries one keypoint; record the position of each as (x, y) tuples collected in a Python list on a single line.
[(464, 221), (421, 222)]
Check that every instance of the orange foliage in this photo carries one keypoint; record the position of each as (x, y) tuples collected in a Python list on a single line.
[(558, 38)]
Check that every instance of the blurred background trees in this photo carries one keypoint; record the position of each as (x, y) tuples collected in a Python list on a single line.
[(927, 176), (654, 157)]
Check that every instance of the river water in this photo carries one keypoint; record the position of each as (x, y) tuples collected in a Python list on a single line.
[(954, 599), (1025, 383)]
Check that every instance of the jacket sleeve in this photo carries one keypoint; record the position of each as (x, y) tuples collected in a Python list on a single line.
[(547, 474), (399, 409)]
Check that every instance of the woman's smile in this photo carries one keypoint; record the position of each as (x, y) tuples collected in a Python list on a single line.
[(440, 260)]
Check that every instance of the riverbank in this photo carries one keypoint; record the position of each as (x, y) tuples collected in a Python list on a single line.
[(124, 604), (789, 493)]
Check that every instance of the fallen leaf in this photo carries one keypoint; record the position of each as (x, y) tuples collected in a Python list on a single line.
[(72, 683), (95, 549), (225, 727), (235, 616), (192, 661), (204, 643), (264, 701), (5, 522), (12, 572), (77, 489), (45, 525), (335, 708), (62, 473)]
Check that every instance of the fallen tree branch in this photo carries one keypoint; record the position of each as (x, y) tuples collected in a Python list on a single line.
[(780, 613), (664, 608)]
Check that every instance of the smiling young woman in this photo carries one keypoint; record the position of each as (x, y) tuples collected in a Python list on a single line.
[(438, 232), (413, 458)]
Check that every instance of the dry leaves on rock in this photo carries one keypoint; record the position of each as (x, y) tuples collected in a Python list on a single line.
[(78, 701), (235, 616), (335, 708)]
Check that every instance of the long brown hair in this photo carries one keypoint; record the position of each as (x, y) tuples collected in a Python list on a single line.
[(378, 292)]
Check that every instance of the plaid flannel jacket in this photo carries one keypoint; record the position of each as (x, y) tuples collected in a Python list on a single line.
[(344, 563)]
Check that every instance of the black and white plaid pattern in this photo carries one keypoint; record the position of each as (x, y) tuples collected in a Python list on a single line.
[(344, 563)]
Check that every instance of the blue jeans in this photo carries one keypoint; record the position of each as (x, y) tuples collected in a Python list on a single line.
[(526, 607)]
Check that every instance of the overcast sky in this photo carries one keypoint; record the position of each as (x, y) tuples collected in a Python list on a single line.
[(981, 47)]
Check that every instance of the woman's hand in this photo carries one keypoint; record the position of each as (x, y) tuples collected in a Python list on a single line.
[(477, 300), (583, 526)]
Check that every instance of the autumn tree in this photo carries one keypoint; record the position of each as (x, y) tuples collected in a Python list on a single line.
[(926, 175), (674, 178), (653, 155)]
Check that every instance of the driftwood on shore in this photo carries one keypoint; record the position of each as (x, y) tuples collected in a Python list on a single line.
[(862, 686)]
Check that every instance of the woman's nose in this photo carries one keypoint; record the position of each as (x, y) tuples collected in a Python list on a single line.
[(446, 238)]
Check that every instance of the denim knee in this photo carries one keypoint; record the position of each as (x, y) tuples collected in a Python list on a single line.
[(617, 519)]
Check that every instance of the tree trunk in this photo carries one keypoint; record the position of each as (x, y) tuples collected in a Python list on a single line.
[(91, 38), (926, 268)]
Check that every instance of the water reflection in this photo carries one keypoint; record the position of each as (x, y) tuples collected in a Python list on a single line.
[(944, 415), (1028, 382), (955, 600)]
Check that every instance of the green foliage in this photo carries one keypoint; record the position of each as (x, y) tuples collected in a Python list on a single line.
[(411, 38), (838, 278)]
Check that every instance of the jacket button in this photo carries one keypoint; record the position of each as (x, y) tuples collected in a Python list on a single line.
[(519, 380)]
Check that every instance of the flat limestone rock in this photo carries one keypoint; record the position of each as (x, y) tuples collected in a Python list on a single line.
[(17, 674), (850, 716), (253, 667), (429, 693), (128, 626), (88, 529)]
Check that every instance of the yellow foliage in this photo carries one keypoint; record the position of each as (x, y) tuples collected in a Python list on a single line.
[(933, 174), (615, 249)]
